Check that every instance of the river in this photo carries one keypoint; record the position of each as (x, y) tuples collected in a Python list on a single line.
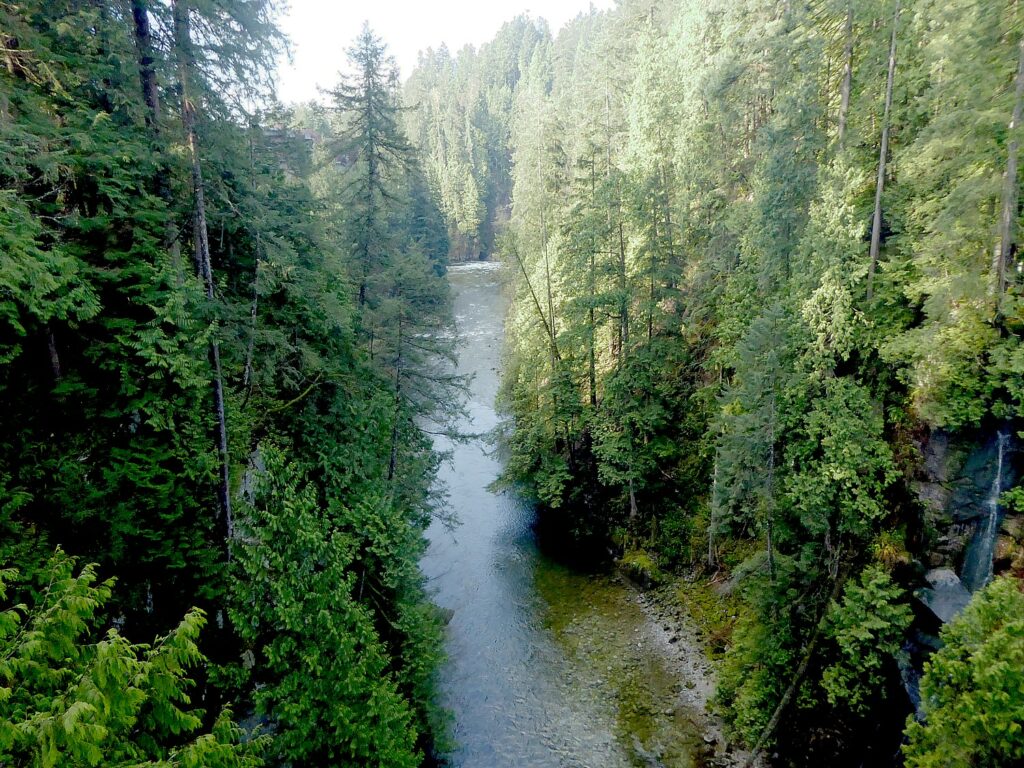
[(547, 666)]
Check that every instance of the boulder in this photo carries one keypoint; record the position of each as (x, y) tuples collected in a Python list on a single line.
[(946, 596)]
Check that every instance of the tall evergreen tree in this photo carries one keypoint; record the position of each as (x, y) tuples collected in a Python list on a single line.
[(374, 151)]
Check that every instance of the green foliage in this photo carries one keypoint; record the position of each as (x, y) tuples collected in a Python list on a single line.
[(841, 465), (951, 163), (696, 364), (867, 627), (753, 418), (111, 340), (69, 698), (754, 673), (460, 111), (694, 358), (972, 692), (319, 667)]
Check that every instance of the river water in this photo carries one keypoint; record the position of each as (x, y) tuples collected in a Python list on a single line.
[(547, 667)]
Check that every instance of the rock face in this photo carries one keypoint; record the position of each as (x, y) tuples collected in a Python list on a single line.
[(940, 465), (1009, 554), (966, 534), (956, 487), (979, 557)]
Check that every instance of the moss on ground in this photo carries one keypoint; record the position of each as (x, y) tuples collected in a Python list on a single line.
[(715, 613)]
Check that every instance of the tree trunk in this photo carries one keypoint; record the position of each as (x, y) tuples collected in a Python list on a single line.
[(770, 499), (552, 333), (798, 676), (372, 183), (712, 522), (652, 268), (147, 69), (623, 331), (673, 268), (254, 307), (550, 300), (1008, 215), (393, 459), (536, 303), (592, 294), (847, 82), (253, 312), (183, 47), (591, 338), (876, 223), (51, 346), (634, 511), (624, 297), (151, 97)]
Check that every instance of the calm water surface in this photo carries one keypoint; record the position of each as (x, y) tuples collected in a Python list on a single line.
[(547, 667)]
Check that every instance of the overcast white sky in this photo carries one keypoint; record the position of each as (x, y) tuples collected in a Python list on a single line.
[(321, 30)]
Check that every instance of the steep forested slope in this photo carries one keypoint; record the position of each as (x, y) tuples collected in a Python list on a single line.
[(208, 389), (766, 301)]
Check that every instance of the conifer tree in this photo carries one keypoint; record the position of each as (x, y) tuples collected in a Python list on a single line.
[(70, 699), (320, 670), (374, 151), (971, 690)]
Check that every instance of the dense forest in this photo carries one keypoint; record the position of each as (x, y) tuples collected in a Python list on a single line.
[(767, 306), (764, 351), (221, 335)]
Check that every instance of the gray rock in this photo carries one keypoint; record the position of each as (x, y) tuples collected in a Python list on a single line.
[(947, 596)]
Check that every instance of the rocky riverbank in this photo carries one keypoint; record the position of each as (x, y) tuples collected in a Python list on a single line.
[(675, 634)]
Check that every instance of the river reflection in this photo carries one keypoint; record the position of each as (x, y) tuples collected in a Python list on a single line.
[(546, 667)]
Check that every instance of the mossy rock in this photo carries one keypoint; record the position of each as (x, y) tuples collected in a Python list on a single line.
[(1013, 526), (640, 567)]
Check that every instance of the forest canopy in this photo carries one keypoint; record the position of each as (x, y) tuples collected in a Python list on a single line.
[(764, 343)]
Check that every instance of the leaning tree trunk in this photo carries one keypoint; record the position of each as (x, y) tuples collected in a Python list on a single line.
[(183, 48), (1008, 215), (536, 305), (798, 676), (876, 223)]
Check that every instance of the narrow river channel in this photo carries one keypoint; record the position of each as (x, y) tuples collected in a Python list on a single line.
[(547, 667)]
